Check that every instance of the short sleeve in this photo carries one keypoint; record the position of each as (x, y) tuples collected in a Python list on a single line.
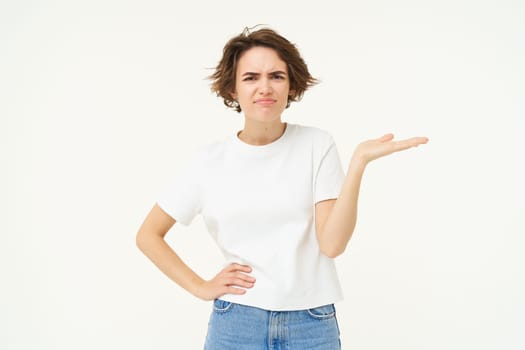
[(182, 199), (330, 176)]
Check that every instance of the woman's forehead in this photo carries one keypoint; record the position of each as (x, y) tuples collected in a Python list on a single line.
[(261, 59)]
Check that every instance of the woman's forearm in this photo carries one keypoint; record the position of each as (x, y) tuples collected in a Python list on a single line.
[(161, 254)]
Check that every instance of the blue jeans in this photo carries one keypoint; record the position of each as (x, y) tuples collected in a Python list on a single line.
[(239, 327)]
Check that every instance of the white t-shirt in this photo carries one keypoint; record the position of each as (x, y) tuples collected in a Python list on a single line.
[(258, 203)]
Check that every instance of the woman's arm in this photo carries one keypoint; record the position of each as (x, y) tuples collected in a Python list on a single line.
[(150, 240), (336, 219)]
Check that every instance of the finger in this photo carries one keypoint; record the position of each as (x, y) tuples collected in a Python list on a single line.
[(421, 140), (233, 290), (239, 282), (416, 141), (402, 145), (239, 267), (239, 276), (408, 143), (242, 276), (386, 137)]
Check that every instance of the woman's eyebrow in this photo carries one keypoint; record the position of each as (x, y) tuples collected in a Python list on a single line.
[(271, 73), (250, 73)]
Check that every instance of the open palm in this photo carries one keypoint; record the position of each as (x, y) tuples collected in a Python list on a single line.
[(372, 149)]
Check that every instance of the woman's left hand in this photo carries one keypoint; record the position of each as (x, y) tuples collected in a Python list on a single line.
[(372, 149)]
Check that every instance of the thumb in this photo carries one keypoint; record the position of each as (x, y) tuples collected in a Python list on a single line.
[(386, 137)]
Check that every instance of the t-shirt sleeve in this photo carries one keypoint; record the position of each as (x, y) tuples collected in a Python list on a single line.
[(330, 176), (182, 199)]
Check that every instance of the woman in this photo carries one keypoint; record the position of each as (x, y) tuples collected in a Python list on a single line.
[(276, 200)]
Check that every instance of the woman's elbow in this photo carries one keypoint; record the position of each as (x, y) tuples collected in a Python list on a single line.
[(139, 239), (143, 239), (332, 251)]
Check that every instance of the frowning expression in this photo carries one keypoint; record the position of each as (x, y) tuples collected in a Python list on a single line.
[(262, 85)]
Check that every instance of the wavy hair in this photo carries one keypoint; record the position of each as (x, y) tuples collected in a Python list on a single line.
[(223, 78)]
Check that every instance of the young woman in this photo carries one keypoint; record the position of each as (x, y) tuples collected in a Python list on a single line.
[(275, 198)]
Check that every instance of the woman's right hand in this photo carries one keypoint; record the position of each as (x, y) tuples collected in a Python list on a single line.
[(227, 281)]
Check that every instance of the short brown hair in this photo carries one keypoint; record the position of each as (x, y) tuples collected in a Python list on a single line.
[(223, 79)]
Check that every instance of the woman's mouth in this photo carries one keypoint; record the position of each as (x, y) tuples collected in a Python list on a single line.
[(265, 101)]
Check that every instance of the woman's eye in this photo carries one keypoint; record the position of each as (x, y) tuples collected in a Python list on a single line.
[(278, 77), (247, 78)]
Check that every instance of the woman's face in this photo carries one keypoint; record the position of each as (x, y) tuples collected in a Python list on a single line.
[(262, 85)]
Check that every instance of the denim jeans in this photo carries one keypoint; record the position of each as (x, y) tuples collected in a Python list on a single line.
[(239, 327)]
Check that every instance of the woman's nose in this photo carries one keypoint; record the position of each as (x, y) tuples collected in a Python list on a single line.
[(265, 87)]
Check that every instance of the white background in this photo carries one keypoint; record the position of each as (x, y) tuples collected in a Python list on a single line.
[(103, 102)]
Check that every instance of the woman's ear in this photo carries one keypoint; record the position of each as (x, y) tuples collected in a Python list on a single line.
[(233, 95)]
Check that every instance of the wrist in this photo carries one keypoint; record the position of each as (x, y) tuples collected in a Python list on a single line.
[(197, 287), (357, 163)]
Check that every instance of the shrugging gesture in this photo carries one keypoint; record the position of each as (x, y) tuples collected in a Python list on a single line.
[(372, 149), (336, 218)]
